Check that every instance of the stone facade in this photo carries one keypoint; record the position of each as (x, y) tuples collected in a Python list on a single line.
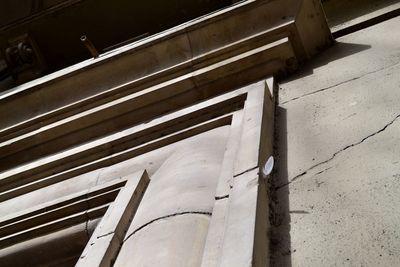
[(151, 155)]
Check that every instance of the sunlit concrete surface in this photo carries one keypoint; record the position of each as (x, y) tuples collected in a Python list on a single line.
[(337, 185)]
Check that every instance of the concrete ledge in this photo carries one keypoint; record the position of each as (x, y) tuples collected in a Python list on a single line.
[(144, 105), (182, 50)]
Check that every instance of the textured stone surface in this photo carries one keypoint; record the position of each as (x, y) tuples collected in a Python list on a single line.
[(353, 57), (183, 156), (150, 161), (192, 178), (186, 181), (216, 232), (241, 222), (337, 188), (175, 241)]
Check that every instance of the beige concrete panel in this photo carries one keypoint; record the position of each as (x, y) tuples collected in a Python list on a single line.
[(248, 153), (25, 186), (354, 204), (257, 133), (50, 193), (151, 161), (225, 179), (174, 242), (322, 124), (216, 232), (339, 166), (187, 180), (133, 136), (238, 245), (352, 57)]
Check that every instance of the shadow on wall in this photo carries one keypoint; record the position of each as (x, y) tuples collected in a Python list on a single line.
[(337, 51), (280, 249), (341, 11), (280, 214)]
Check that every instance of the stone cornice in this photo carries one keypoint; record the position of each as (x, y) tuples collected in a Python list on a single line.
[(142, 81)]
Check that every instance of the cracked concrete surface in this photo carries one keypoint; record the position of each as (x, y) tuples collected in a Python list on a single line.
[(166, 217), (336, 153), (161, 241), (337, 186), (340, 83), (328, 122)]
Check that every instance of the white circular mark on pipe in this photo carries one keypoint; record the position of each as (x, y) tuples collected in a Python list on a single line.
[(268, 166)]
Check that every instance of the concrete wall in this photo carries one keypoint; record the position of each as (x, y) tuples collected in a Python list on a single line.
[(154, 153), (337, 186)]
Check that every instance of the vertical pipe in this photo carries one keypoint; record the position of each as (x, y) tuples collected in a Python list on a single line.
[(89, 45)]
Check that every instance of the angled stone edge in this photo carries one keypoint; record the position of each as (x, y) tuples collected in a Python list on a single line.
[(104, 244), (256, 141), (237, 136), (121, 146), (123, 193), (225, 179), (216, 233), (135, 136), (34, 122), (246, 223), (239, 219), (107, 151), (12, 186), (149, 103)]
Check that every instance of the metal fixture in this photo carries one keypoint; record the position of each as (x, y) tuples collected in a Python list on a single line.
[(23, 59), (90, 46), (268, 167)]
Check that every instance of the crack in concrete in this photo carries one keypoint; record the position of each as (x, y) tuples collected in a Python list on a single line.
[(338, 84), (165, 217), (221, 197), (91, 244), (87, 216), (248, 170), (98, 176), (104, 235), (324, 170), (338, 152)]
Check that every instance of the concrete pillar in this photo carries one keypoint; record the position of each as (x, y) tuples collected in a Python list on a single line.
[(171, 224)]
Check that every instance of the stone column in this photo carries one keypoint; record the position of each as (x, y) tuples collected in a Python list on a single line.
[(171, 224)]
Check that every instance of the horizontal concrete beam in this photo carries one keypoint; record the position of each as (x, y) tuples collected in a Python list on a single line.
[(144, 105), (194, 61), (122, 145)]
